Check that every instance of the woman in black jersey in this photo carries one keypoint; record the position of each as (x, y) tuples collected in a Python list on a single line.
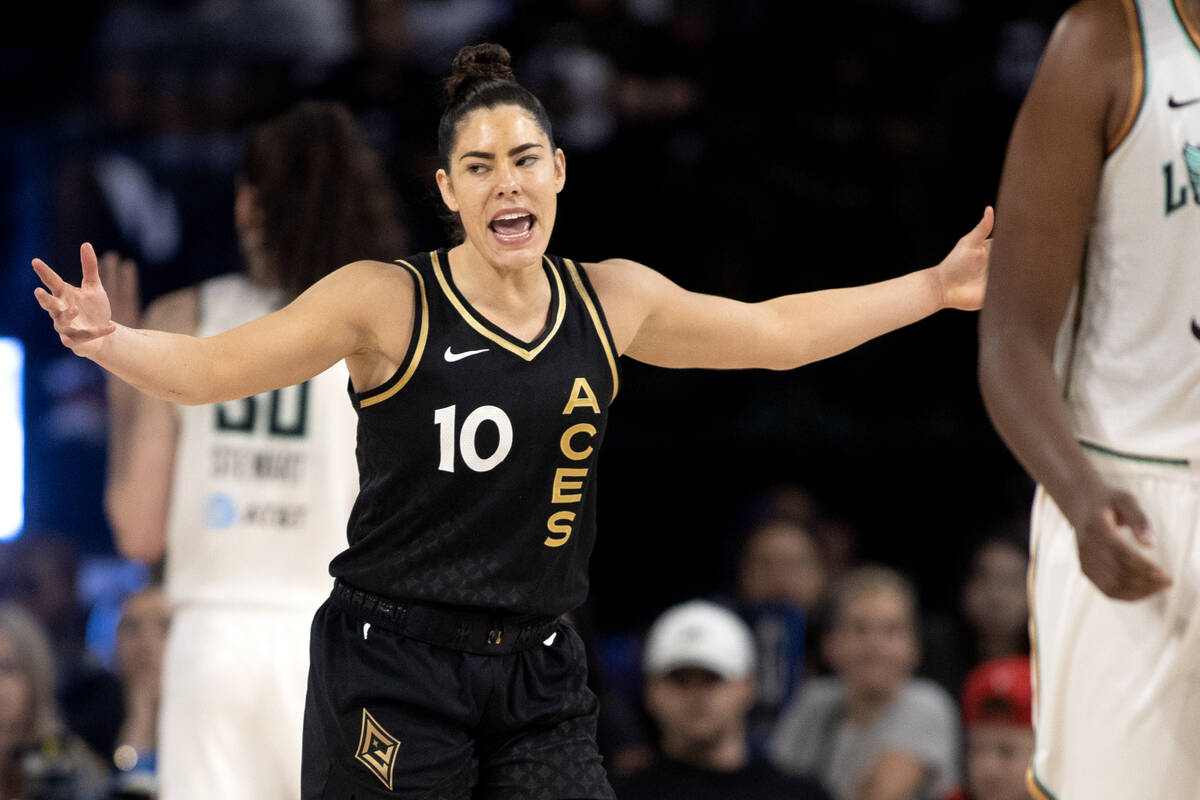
[(482, 376)]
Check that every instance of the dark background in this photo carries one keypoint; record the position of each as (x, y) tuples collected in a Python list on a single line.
[(747, 149)]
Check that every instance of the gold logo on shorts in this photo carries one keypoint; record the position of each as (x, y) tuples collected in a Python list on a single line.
[(377, 749)]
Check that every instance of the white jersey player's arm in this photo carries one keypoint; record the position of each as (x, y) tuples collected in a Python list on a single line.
[(143, 430), (1074, 113)]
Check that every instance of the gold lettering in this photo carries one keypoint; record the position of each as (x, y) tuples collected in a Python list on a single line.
[(582, 395), (568, 449), (564, 490), (559, 522)]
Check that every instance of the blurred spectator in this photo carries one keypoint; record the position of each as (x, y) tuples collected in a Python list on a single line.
[(997, 709), (993, 620), (699, 670), (141, 639), (40, 759), (781, 584), (39, 572), (873, 730)]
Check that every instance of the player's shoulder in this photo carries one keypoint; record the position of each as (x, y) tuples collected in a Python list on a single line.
[(176, 311), (367, 277), (621, 273), (1099, 28)]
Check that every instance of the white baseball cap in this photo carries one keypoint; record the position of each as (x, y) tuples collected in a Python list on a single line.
[(699, 634)]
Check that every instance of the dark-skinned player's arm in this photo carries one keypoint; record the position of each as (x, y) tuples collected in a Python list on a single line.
[(1074, 110)]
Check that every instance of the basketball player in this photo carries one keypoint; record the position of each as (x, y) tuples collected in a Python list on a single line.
[(482, 375), (1100, 232), (250, 497)]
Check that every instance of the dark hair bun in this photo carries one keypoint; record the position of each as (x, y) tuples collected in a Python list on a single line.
[(476, 64)]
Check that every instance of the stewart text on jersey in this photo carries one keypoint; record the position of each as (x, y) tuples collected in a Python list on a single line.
[(478, 457)]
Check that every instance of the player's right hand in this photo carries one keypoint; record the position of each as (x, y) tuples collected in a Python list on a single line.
[(1119, 568), (82, 315)]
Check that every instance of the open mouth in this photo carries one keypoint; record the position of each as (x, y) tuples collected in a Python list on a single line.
[(513, 227)]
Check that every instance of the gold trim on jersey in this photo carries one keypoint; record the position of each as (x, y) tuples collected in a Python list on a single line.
[(526, 353), (417, 351), (1137, 92), (1035, 788), (609, 347)]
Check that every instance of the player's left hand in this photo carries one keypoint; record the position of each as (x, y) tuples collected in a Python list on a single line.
[(963, 273)]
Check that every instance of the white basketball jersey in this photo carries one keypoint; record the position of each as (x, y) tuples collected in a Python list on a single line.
[(1133, 374), (263, 485)]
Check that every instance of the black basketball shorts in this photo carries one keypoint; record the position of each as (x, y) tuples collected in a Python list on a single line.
[(388, 716)]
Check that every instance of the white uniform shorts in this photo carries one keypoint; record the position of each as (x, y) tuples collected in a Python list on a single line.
[(233, 705), (1117, 684)]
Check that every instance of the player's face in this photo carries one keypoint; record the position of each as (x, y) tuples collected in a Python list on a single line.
[(873, 645), (504, 179), (696, 708), (15, 691), (997, 757), (994, 598), (781, 565)]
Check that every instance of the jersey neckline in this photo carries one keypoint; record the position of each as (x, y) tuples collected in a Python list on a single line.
[(488, 329)]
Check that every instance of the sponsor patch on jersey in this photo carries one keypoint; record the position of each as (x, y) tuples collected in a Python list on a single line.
[(220, 511)]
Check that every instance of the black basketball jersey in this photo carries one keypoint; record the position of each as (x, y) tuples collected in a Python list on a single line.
[(477, 459)]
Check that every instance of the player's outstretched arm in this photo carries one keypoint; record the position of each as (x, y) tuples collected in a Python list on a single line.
[(1046, 203), (143, 431), (345, 314), (656, 321)]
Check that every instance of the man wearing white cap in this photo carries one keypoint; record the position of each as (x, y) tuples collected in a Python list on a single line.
[(699, 668)]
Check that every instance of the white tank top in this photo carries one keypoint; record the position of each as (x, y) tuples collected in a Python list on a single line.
[(1133, 371), (263, 486)]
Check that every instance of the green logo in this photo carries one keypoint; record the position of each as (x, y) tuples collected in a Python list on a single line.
[(1191, 156)]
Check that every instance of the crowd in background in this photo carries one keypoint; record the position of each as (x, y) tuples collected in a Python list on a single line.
[(747, 149)]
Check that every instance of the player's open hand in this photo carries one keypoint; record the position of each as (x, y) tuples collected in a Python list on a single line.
[(963, 273), (82, 315), (1118, 567)]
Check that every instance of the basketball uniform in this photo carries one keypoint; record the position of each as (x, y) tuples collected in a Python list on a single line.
[(1117, 700), (262, 490), (440, 664)]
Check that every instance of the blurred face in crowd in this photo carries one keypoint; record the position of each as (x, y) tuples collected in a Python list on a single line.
[(873, 644), (16, 692), (997, 756), (504, 179), (781, 564), (142, 635), (994, 599), (696, 709)]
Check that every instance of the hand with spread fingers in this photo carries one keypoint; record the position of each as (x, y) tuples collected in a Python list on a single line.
[(82, 314)]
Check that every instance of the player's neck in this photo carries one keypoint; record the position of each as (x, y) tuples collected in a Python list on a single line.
[(509, 291), (862, 706), (1191, 10)]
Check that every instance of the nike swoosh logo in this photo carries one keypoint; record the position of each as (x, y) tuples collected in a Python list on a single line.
[(451, 356), (1195, 328), (1173, 103)]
